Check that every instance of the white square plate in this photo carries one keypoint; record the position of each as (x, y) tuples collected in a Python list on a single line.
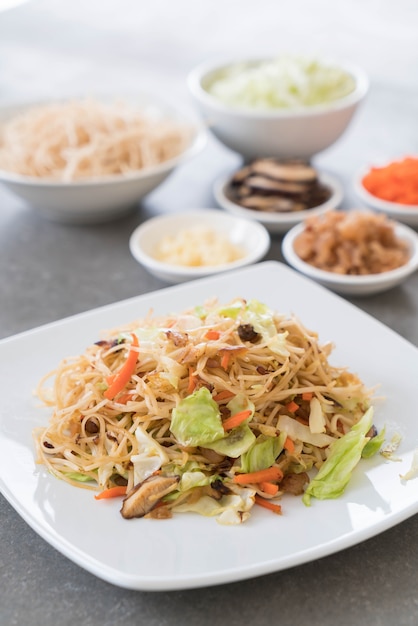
[(188, 550)]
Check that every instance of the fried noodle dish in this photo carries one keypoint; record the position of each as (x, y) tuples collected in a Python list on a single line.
[(213, 410)]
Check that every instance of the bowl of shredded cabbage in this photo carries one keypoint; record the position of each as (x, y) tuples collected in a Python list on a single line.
[(285, 107), (89, 160)]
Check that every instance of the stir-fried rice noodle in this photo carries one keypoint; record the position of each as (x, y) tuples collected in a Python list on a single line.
[(243, 352)]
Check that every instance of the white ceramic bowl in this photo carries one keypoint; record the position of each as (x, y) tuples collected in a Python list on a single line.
[(105, 198), (400, 212), (364, 285), (278, 222), (281, 133), (252, 238)]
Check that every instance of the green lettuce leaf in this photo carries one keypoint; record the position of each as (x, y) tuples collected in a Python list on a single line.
[(373, 446), (196, 421), (194, 478), (78, 476), (235, 443), (262, 453), (200, 311), (345, 453), (232, 310), (261, 318), (239, 403)]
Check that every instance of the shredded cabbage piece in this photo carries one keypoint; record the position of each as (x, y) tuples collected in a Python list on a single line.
[(151, 455), (284, 83), (345, 453), (413, 471), (229, 510), (388, 451)]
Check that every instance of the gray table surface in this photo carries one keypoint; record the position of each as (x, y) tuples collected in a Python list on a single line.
[(50, 271)]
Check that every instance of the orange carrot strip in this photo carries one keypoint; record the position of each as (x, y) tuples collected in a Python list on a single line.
[(213, 334), (292, 406), (267, 475), (192, 381), (225, 360), (289, 445), (124, 398), (307, 395), (112, 492), (74, 428), (267, 504), (223, 395), (269, 488), (236, 419), (123, 376)]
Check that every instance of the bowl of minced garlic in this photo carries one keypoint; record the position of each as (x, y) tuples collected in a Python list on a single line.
[(191, 244)]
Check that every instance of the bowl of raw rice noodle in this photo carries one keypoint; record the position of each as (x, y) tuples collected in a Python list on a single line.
[(354, 252), (92, 159)]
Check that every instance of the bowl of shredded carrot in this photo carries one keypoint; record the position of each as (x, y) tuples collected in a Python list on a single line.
[(392, 188), (90, 160)]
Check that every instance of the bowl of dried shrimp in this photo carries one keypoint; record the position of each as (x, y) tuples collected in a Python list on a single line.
[(355, 252)]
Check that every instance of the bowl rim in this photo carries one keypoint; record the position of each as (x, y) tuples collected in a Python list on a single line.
[(204, 69), (197, 143), (396, 208), (276, 219), (391, 276), (154, 264)]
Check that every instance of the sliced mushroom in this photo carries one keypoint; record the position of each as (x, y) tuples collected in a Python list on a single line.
[(242, 174), (271, 204), (91, 426), (212, 456), (294, 483), (143, 497), (246, 332), (295, 171), (243, 191), (372, 432), (224, 411), (219, 486), (263, 183)]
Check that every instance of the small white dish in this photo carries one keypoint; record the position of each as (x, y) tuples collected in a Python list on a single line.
[(407, 214), (252, 238), (100, 199), (278, 222), (364, 285)]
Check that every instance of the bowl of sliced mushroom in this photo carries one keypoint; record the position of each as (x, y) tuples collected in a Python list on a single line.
[(278, 193)]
